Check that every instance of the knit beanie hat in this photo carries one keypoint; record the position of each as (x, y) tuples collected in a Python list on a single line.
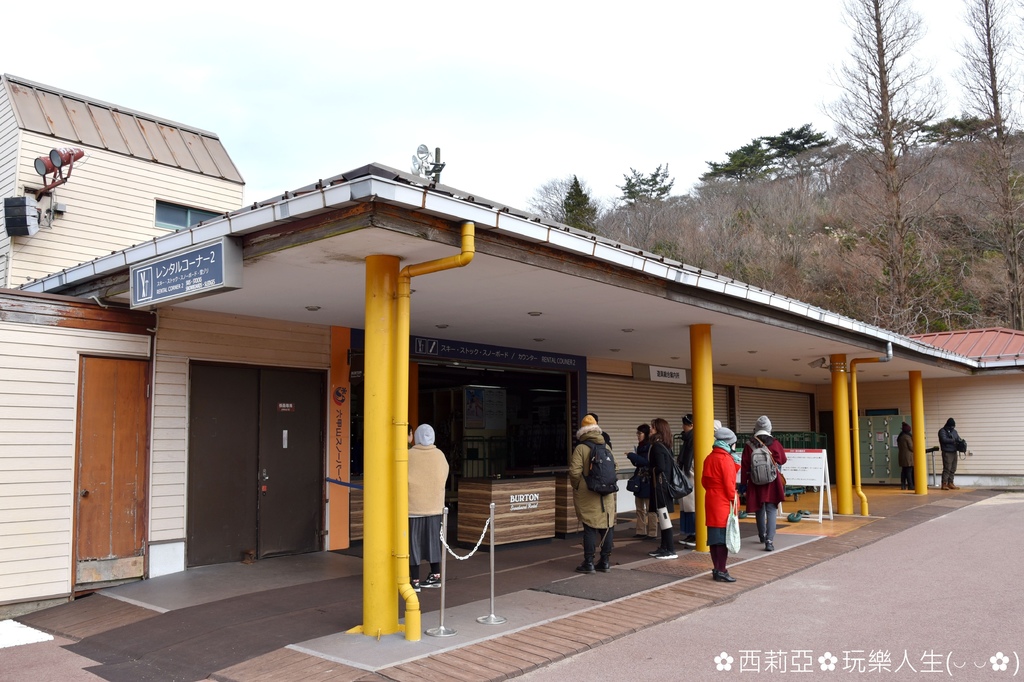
[(424, 434), (589, 421), (688, 419), (763, 423), (725, 435)]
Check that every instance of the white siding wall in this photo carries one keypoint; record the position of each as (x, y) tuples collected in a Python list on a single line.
[(8, 180), (185, 335), (111, 205), (987, 410), (38, 388)]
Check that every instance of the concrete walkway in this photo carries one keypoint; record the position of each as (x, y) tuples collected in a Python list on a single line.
[(655, 612)]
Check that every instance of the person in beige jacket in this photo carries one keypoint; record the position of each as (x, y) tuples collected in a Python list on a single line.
[(596, 512), (428, 473)]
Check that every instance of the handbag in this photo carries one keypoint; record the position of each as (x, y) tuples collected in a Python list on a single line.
[(633, 484), (678, 485), (732, 531)]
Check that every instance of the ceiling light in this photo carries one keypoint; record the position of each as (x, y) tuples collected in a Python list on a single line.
[(627, 330), (441, 326), (751, 351), (539, 339), (673, 357), (534, 313), (723, 364), (312, 308), (615, 350)]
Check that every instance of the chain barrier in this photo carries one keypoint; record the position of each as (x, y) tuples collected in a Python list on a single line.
[(463, 558)]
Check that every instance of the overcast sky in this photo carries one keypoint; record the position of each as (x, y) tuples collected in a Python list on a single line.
[(514, 94)]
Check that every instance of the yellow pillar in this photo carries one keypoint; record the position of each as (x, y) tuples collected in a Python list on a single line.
[(917, 424), (702, 378), (841, 422), (380, 611)]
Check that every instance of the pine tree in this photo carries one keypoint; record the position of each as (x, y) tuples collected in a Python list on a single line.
[(580, 212)]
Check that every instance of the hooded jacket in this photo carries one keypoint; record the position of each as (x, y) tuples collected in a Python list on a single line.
[(593, 509), (948, 437)]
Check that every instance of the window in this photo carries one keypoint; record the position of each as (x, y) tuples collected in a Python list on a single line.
[(176, 217)]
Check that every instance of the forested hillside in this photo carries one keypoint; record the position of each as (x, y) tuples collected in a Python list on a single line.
[(898, 218)]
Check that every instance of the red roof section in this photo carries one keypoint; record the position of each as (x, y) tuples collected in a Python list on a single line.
[(978, 344)]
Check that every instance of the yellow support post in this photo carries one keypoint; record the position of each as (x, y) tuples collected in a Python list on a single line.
[(841, 425), (702, 378), (917, 423), (380, 613)]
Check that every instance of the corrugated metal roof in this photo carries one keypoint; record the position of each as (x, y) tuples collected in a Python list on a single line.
[(980, 344), (80, 120)]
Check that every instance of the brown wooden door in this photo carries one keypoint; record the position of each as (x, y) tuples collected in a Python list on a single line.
[(113, 438)]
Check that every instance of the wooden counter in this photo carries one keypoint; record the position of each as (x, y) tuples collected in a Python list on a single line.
[(524, 509)]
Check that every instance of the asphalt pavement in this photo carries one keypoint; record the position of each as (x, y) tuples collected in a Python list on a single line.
[(939, 600)]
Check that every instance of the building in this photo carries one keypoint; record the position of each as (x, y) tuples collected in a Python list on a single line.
[(137, 177), (265, 376)]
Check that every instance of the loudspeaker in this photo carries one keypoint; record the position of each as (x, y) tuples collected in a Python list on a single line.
[(21, 216)]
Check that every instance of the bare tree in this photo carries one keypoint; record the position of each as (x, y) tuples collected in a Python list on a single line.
[(549, 199), (989, 82), (887, 97)]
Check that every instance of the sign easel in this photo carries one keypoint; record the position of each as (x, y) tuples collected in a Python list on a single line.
[(809, 468)]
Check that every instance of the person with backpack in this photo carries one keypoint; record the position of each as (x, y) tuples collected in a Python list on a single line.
[(661, 464), (589, 468), (759, 471)]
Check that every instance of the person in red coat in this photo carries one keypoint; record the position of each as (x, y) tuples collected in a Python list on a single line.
[(719, 480), (764, 500)]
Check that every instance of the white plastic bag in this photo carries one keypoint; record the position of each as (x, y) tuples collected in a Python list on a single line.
[(732, 531)]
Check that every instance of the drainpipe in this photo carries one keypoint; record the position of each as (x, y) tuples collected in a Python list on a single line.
[(856, 422), (400, 420)]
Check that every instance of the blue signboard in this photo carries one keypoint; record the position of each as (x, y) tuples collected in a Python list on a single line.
[(199, 271), (426, 347)]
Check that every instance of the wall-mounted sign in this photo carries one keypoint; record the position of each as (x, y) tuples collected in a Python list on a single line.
[(198, 271), (672, 375)]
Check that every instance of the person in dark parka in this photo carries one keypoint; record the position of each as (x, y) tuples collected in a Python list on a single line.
[(949, 440), (905, 447)]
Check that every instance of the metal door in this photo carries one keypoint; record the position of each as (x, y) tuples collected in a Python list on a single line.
[(222, 454), (291, 467), (112, 447), (256, 467)]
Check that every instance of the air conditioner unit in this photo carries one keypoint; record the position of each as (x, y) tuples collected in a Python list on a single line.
[(21, 216)]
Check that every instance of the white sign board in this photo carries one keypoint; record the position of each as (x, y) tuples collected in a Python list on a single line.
[(809, 468)]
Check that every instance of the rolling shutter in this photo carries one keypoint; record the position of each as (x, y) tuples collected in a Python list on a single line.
[(787, 411), (622, 404)]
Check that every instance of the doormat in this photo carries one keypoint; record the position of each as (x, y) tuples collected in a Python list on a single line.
[(606, 587)]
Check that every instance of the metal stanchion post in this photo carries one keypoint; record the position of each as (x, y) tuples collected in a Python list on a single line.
[(441, 630), (492, 619)]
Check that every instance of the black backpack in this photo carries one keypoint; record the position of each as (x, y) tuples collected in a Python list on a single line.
[(762, 466), (600, 475)]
